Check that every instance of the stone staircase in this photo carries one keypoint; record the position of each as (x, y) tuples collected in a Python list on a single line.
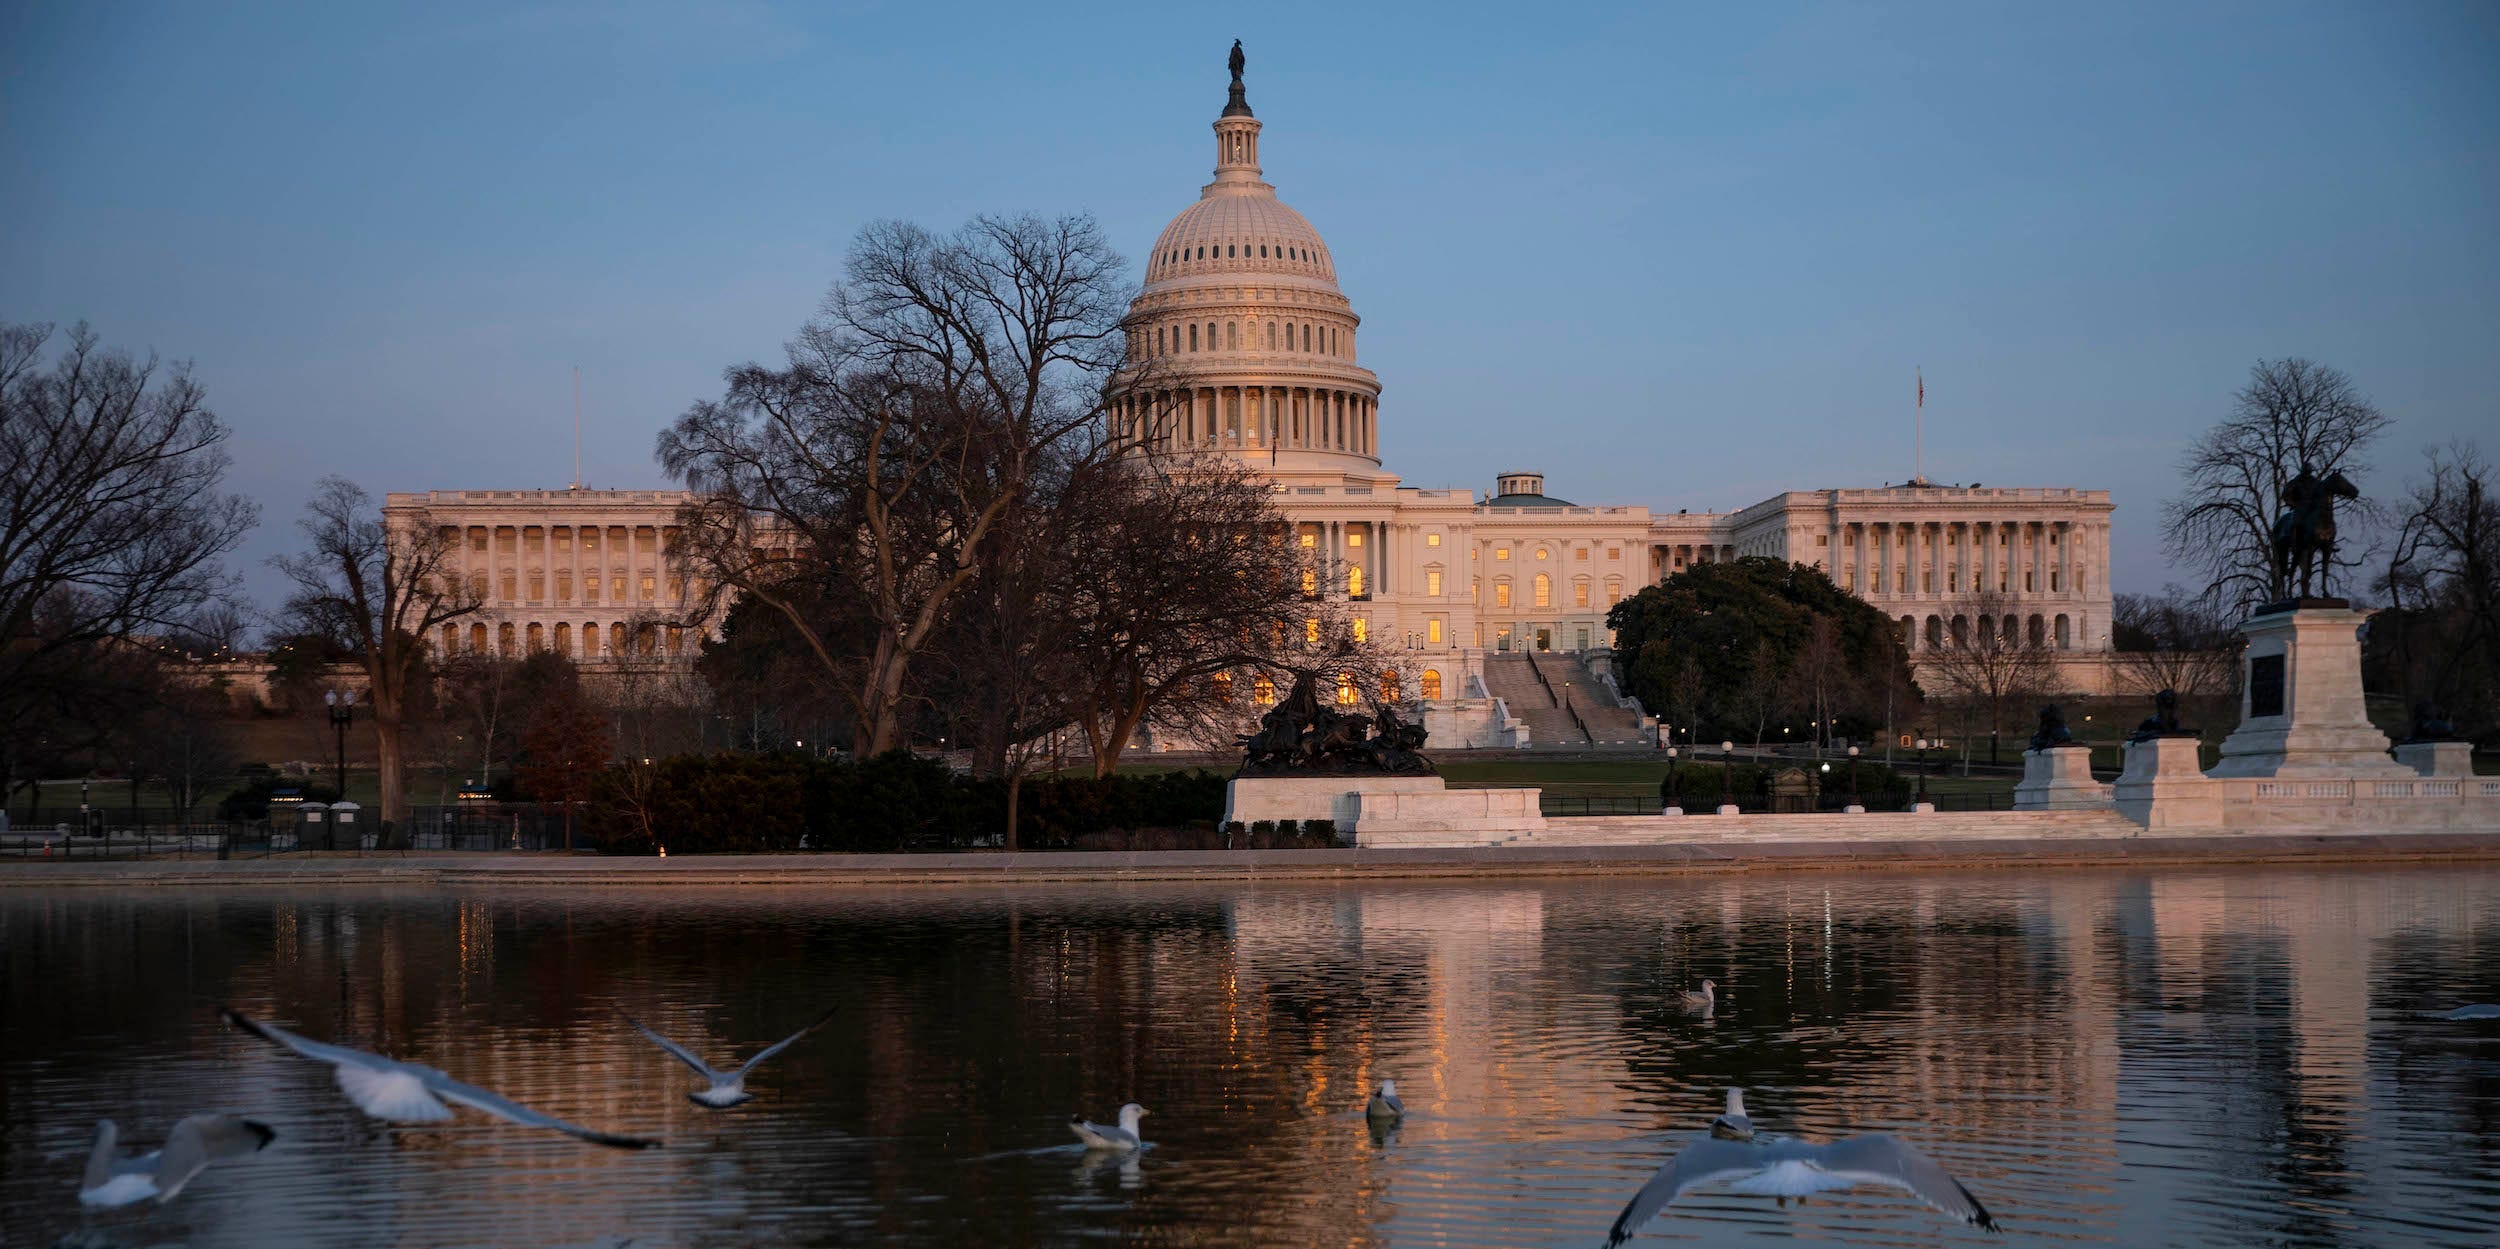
[(1566, 709)]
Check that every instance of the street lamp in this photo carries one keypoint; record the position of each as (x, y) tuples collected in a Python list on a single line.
[(1727, 781), (1855, 806), (342, 709), (1667, 797), (1923, 744)]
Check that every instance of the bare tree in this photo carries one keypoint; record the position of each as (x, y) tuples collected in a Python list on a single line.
[(1763, 691), (2443, 584), (2175, 640), (479, 702), (379, 590), (2293, 414), (1821, 678), (913, 415), (112, 525), (1989, 664)]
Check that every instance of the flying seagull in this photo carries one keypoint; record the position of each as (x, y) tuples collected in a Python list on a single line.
[(1123, 1138), (1384, 1106), (1793, 1168), (728, 1087), (113, 1180), (1735, 1125), (1701, 1003), (386, 1088)]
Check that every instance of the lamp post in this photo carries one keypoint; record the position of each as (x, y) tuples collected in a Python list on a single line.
[(1921, 800), (1727, 778), (1667, 797), (1855, 807), (342, 709)]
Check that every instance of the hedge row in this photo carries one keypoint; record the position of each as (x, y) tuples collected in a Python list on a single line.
[(897, 801)]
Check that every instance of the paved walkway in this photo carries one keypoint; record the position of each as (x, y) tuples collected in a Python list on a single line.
[(834, 870)]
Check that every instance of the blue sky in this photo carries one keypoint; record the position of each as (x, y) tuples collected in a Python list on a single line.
[(1684, 257)]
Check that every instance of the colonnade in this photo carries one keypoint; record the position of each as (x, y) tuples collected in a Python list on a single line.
[(1293, 418), (519, 572)]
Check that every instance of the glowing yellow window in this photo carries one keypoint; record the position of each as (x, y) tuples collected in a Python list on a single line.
[(1362, 629), (1501, 552), (1580, 594), (1389, 688), (1432, 682), (1354, 537), (1432, 539), (1501, 594), (1544, 590), (650, 588), (1309, 540), (1354, 582), (1345, 689), (1310, 583), (1432, 631), (1432, 583), (1223, 687), (1310, 630), (1263, 690)]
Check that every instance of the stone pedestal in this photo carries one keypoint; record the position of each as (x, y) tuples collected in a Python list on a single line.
[(2301, 712), (2441, 759), (1250, 799), (2164, 787), (2059, 779), (1438, 817)]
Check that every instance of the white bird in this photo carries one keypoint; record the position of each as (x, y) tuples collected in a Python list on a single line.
[(386, 1088), (112, 1180), (2479, 1010), (1700, 1003), (1123, 1137), (728, 1087), (1384, 1106), (1793, 1168), (1735, 1125)]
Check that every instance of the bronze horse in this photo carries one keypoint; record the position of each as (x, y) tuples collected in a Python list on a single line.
[(2304, 535)]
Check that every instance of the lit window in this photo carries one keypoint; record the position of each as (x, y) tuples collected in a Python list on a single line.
[(1309, 540), (1354, 537), (1432, 539), (1501, 594), (1579, 594), (1310, 583), (1362, 629), (1580, 553), (1432, 680), (1432, 583), (650, 587), (1432, 631), (538, 586), (1345, 689), (1310, 630), (1223, 687), (1389, 687), (1541, 552), (1354, 583), (1544, 590), (1501, 552), (1263, 690)]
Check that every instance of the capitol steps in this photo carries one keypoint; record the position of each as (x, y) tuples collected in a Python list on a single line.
[(1548, 706)]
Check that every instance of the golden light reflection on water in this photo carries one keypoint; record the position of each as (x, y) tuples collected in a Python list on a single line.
[(2195, 1057)]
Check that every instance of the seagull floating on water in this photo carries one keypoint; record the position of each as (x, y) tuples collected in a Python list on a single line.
[(1384, 1106), (1123, 1138), (112, 1180), (1794, 1168), (387, 1088), (2479, 1010), (1735, 1125), (728, 1087), (1700, 1003)]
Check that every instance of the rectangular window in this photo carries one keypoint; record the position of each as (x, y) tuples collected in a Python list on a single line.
[(616, 588), (538, 587), (1501, 594), (2055, 576), (1432, 539), (1927, 579), (1309, 540), (1581, 554), (1310, 630), (1580, 594), (564, 587), (1822, 539), (511, 581), (590, 588), (1502, 552), (650, 587), (1432, 630), (564, 539), (2031, 582), (1362, 629), (1432, 583), (1354, 537)]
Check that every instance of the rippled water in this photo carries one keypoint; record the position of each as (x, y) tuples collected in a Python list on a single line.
[(2221, 1058)]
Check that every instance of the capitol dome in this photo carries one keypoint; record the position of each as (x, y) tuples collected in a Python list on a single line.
[(1240, 341)]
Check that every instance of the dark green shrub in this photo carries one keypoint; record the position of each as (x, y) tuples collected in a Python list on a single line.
[(1320, 832)]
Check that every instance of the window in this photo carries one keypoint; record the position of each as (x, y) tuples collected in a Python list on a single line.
[(1310, 583), (1193, 337), (1310, 630), (1271, 332), (1228, 248), (2056, 578), (1542, 553), (1354, 581), (1432, 633), (537, 637), (1345, 689), (616, 639), (538, 586), (676, 639), (1309, 540), (564, 638), (511, 581), (1580, 554), (1501, 552), (1263, 690), (477, 639), (1432, 680), (1223, 687), (1389, 687), (1579, 594), (1614, 591), (1354, 537), (650, 587), (1432, 539), (1501, 594), (1306, 338), (616, 588), (1822, 539), (1232, 335), (564, 586), (1432, 583), (1544, 585), (1362, 629)]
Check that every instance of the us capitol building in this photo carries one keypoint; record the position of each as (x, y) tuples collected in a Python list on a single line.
[(1253, 352)]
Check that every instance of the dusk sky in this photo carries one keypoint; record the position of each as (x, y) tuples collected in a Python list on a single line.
[(1677, 257)]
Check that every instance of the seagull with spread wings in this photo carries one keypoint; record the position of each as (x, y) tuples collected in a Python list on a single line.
[(112, 1180), (728, 1087), (386, 1088), (1794, 1168)]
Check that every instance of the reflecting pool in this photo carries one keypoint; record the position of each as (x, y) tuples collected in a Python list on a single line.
[(2189, 1057)]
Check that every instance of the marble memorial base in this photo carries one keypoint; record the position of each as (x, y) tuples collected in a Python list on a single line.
[(2164, 787), (1249, 799), (2059, 779), (2440, 759), (2301, 711)]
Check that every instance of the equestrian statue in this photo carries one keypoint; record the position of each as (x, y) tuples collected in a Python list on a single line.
[(2304, 535)]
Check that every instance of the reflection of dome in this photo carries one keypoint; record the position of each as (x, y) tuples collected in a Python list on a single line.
[(1244, 342)]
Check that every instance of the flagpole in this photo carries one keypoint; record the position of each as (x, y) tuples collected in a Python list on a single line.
[(1918, 438)]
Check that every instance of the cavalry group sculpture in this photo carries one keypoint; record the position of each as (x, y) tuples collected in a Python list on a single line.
[(1300, 737)]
